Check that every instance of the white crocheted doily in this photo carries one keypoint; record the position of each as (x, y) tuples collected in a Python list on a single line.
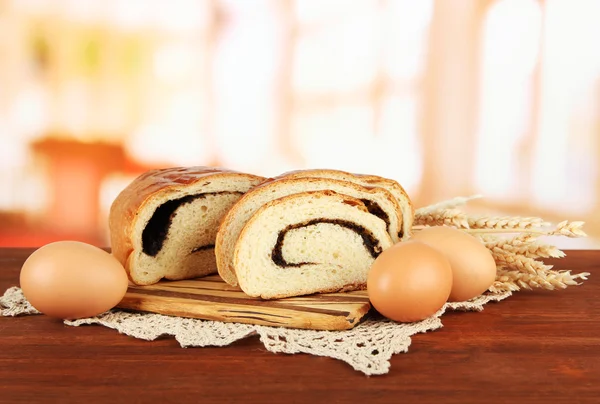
[(367, 347)]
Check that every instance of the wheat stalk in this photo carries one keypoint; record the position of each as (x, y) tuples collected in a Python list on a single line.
[(565, 228), (445, 205)]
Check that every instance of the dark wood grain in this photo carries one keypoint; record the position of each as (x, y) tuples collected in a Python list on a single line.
[(535, 347)]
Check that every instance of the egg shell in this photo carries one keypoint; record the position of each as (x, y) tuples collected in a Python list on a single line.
[(71, 279), (409, 282), (473, 266)]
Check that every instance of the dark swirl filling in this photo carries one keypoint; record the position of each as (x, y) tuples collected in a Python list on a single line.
[(376, 210), (369, 240), (155, 232)]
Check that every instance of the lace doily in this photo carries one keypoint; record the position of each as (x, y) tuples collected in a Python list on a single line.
[(367, 347)]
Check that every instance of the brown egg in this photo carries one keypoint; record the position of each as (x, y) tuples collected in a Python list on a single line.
[(70, 280), (473, 266), (409, 282)]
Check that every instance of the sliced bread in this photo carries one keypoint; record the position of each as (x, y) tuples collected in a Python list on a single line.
[(308, 242), (164, 223)]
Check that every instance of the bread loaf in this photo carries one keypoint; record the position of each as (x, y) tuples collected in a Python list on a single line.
[(379, 202), (164, 223), (308, 242)]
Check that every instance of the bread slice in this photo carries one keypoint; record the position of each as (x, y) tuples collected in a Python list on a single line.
[(408, 209), (164, 223), (308, 242), (379, 201)]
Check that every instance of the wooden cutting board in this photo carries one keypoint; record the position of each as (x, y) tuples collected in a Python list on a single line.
[(210, 298)]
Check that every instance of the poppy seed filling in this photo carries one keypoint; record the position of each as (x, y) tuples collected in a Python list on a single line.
[(157, 228), (376, 210), (368, 239)]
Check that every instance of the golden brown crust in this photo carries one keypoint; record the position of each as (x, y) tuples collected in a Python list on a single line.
[(136, 195)]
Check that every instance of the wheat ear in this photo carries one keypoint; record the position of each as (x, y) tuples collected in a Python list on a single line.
[(523, 244), (446, 205), (446, 217), (512, 280)]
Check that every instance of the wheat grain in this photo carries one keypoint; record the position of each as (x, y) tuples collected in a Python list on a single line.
[(499, 287), (569, 229)]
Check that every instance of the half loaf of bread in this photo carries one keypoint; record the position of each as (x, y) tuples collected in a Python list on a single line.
[(378, 201), (164, 223), (308, 242)]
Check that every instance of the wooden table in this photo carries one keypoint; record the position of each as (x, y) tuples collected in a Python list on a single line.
[(533, 347)]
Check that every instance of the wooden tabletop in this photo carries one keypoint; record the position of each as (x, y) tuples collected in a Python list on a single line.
[(533, 347)]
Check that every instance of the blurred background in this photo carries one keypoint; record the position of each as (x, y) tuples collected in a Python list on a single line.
[(450, 98)]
